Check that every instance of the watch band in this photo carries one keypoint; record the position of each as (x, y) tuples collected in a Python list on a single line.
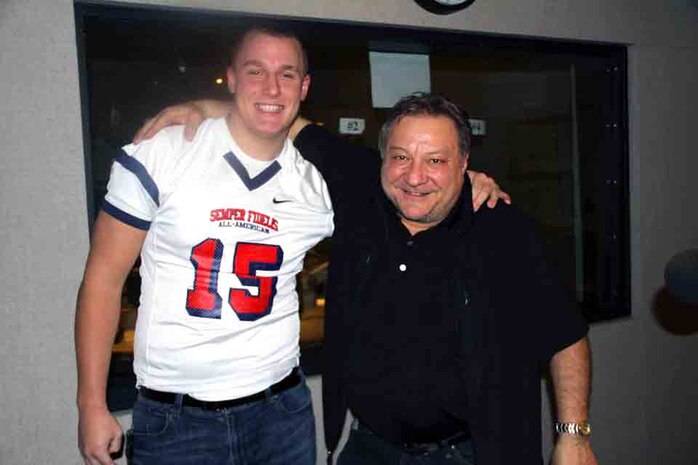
[(580, 429)]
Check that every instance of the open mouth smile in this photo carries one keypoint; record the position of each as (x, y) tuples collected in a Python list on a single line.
[(269, 107), (410, 193)]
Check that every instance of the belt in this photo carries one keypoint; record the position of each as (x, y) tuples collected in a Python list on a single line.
[(426, 447), (292, 380), (420, 447)]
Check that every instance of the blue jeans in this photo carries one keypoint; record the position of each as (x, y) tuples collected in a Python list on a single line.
[(278, 430), (366, 448)]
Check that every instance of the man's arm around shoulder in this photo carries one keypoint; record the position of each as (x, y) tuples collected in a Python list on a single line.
[(115, 247)]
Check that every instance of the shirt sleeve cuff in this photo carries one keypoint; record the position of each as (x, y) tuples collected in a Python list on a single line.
[(125, 217)]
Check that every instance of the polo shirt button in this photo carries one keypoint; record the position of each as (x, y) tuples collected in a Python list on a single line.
[(410, 243), (402, 267)]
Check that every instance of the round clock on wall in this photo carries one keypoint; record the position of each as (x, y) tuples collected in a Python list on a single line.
[(444, 7)]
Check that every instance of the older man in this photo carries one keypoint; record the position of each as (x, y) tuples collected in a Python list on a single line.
[(438, 319)]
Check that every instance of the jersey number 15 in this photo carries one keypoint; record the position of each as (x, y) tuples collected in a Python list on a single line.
[(205, 302)]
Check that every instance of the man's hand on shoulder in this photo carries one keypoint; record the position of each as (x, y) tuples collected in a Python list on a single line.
[(99, 436), (486, 189), (189, 114), (573, 450)]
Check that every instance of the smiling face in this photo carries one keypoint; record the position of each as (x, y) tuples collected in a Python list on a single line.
[(268, 79), (422, 170)]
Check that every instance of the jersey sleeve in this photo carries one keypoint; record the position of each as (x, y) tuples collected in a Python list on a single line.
[(139, 175)]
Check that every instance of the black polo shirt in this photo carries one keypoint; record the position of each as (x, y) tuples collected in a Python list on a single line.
[(405, 384), (454, 338)]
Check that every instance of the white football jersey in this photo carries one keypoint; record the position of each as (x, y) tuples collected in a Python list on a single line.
[(218, 315)]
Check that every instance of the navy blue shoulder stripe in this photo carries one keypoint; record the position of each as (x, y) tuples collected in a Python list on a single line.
[(137, 168), (259, 180), (125, 217)]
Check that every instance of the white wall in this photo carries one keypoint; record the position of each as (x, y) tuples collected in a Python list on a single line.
[(645, 387)]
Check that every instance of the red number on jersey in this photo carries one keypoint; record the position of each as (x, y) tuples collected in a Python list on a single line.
[(204, 301), (250, 258)]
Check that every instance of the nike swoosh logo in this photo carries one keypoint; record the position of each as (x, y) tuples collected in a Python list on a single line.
[(275, 200)]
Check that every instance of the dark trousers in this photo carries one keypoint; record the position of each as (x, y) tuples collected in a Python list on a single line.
[(366, 448)]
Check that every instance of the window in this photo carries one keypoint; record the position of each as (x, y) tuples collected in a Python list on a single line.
[(554, 112)]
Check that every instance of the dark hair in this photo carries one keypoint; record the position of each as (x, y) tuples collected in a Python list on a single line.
[(423, 104), (274, 31)]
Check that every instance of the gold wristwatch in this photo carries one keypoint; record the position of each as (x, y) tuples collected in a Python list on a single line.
[(580, 429)]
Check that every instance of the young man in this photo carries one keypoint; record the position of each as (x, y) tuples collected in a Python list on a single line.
[(222, 224)]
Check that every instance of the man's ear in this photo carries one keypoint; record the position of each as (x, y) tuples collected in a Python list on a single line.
[(465, 160), (305, 86), (230, 75)]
